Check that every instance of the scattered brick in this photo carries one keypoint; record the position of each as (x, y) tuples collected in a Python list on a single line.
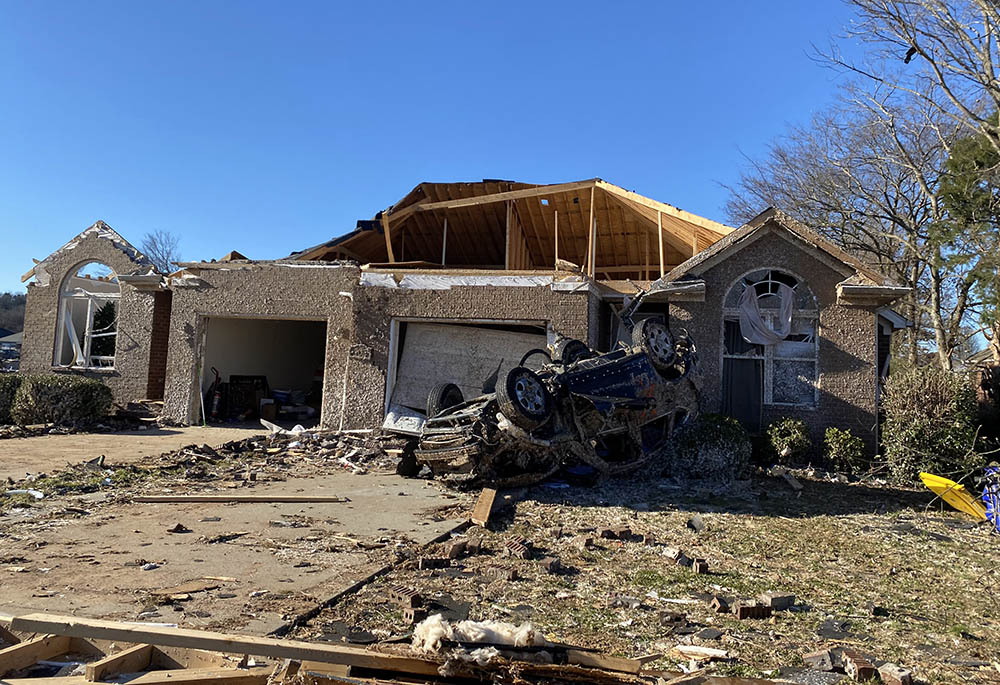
[(518, 549), (433, 562), (500, 573), (894, 675), (819, 661), (684, 560), (777, 600), (744, 611), (456, 548), (622, 532), (857, 666), (583, 542), (700, 566), (408, 598), (648, 539), (474, 546), (719, 605), (414, 614), (606, 533), (550, 565)]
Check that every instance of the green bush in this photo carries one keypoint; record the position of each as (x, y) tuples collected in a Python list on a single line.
[(9, 383), (790, 439), (714, 447), (930, 424), (844, 451), (60, 399)]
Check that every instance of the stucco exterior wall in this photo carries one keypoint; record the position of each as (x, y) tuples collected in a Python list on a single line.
[(258, 291), (376, 306), (127, 379), (847, 345)]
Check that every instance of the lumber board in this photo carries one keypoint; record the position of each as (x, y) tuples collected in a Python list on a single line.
[(131, 660), (169, 658), (603, 661), (388, 237), (26, 653), (488, 199), (218, 676), (246, 499), (484, 507), (73, 626)]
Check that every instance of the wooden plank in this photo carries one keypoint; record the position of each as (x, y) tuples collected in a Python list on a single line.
[(484, 507), (591, 228), (444, 242), (557, 235), (506, 240), (388, 237), (169, 658), (26, 653), (245, 499), (224, 676), (602, 661), (221, 642), (659, 235), (131, 660), (494, 197)]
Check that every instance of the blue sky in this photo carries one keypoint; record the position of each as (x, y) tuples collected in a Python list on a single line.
[(268, 127)]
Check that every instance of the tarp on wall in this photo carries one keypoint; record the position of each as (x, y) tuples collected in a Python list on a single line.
[(464, 355)]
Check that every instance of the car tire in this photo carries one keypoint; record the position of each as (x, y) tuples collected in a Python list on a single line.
[(441, 397), (523, 398), (569, 350), (654, 338)]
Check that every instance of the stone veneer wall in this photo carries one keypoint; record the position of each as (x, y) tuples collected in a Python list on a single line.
[(847, 363), (127, 379), (258, 291)]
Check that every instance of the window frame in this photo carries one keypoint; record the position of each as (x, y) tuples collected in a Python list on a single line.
[(767, 352), (66, 328)]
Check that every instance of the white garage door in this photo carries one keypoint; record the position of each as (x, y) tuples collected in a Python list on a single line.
[(464, 355)]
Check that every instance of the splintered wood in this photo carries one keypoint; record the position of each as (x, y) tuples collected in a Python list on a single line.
[(103, 651)]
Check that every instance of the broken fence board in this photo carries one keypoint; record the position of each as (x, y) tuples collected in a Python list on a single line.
[(603, 661), (245, 499), (221, 642), (131, 660), (484, 507), (27, 653)]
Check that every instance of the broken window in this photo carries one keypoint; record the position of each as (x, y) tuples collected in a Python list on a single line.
[(790, 370), (87, 328)]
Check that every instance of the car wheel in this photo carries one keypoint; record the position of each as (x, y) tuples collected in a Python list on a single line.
[(442, 396), (569, 350), (654, 338), (524, 399)]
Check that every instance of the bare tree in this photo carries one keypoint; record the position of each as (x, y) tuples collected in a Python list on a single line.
[(162, 249), (867, 174), (944, 53)]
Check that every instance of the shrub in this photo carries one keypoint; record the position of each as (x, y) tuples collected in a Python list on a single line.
[(790, 439), (930, 424), (714, 447), (9, 383), (60, 399), (844, 451)]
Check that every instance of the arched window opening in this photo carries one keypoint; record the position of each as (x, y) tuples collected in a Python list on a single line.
[(87, 328), (770, 344)]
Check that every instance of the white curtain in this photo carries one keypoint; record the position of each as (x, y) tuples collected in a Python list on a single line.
[(754, 329)]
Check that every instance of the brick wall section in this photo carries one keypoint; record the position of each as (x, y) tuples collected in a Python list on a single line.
[(127, 379), (374, 308), (260, 291), (158, 345), (847, 370)]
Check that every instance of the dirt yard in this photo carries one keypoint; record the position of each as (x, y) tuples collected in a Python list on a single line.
[(46, 453), (874, 568)]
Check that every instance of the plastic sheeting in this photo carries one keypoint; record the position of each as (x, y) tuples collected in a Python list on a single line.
[(754, 329)]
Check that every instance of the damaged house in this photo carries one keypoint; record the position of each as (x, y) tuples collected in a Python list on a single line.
[(456, 281)]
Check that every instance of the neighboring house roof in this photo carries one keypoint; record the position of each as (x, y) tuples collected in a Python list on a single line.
[(5, 332), (983, 356), (98, 229), (861, 281), (13, 338), (411, 233)]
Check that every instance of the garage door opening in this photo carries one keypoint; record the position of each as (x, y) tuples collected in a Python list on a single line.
[(466, 354), (263, 368)]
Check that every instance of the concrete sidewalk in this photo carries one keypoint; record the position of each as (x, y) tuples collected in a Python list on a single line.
[(46, 453)]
